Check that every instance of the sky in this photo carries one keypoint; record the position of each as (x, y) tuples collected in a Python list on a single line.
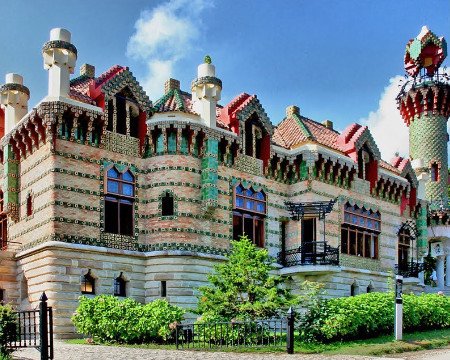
[(337, 60)]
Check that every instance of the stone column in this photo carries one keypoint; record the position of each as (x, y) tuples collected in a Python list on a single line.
[(447, 273), (440, 271)]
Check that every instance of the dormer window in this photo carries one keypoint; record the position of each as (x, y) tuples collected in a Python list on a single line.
[(123, 114), (255, 139)]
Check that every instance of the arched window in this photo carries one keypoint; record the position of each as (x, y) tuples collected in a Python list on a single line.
[(3, 224), (354, 289), (360, 232), (119, 202), (120, 286), (167, 205), (248, 214), (370, 288), (29, 205), (88, 284), (404, 246)]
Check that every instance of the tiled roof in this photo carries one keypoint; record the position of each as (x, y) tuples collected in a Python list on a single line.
[(296, 129), (387, 166), (175, 100)]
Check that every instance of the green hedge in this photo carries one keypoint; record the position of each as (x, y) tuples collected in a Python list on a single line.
[(370, 315), (107, 318), (8, 328)]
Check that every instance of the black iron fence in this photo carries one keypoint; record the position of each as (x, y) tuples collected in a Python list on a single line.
[(410, 269), (310, 253), (35, 329), (273, 333)]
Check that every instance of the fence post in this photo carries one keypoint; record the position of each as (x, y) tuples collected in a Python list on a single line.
[(290, 331), (43, 326)]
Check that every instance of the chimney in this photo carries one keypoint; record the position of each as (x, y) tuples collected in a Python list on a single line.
[(328, 124), (14, 98), (171, 84), (292, 110), (87, 70), (59, 59), (206, 92)]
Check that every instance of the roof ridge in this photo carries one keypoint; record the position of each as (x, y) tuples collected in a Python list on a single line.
[(303, 128)]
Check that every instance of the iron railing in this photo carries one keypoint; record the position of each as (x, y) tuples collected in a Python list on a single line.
[(234, 334), (310, 253), (410, 269), (34, 329)]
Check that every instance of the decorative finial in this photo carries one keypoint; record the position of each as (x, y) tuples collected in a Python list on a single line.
[(207, 59)]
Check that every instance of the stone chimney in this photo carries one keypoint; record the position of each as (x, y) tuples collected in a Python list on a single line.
[(14, 98), (59, 59), (87, 70), (328, 124), (292, 110), (206, 92), (171, 84)]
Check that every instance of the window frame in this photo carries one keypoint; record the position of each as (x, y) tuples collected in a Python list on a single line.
[(119, 198), (120, 286)]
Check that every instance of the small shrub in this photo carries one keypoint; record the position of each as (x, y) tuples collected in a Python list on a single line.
[(370, 315), (8, 328), (107, 318)]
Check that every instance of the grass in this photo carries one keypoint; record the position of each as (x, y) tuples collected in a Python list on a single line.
[(382, 345)]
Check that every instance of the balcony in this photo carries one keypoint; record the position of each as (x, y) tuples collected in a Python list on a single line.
[(310, 253), (410, 269)]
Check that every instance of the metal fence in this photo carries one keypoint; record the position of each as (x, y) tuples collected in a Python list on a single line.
[(273, 333), (34, 329), (310, 253)]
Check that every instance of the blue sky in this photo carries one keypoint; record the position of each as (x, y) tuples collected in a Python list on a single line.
[(336, 60)]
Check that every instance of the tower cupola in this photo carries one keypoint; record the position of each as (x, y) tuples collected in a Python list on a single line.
[(424, 105), (206, 92), (60, 56)]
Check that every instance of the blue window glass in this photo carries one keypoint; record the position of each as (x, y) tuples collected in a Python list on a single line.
[(128, 176), (259, 195), (248, 192), (260, 207), (249, 204), (239, 202), (239, 190), (113, 186), (127, 189), (113, 173)]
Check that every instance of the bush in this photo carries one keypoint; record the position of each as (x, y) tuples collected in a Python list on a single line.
[(107, 318), (8, 328), (370, 315)]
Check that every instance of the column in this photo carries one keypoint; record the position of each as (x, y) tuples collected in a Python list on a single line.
[(440, 271)]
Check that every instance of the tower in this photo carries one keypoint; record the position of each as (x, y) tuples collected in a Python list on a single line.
[(424, 105)]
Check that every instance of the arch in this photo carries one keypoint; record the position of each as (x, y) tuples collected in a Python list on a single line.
[(354, 288), (370, 288)]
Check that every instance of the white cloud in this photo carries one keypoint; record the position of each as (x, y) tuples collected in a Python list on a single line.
[(386, 125), (162, 37)]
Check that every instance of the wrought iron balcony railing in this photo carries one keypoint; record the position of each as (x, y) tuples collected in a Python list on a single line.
[(410, 269), (310, 253)]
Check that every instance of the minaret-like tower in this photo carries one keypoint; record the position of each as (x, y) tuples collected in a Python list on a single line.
[(206, 91), (424, 104)]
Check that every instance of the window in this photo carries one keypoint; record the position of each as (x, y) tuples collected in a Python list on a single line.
[(354, 289), (370, 288), (24, 288), (163, 288), (434, 172), (3, 225), (120, 286), (88, 284), (2, 296), (167, 205), (404, 245), (29, 205), (248, 214), (119, 202), (360, 232)]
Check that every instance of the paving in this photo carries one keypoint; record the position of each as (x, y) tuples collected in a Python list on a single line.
[(64, 351)]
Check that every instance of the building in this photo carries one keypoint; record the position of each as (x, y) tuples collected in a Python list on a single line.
[(107, 192)]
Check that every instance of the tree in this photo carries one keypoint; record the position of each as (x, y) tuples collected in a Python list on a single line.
[(243, 288)]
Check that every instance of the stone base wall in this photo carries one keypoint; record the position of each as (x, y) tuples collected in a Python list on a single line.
[(8, 278)]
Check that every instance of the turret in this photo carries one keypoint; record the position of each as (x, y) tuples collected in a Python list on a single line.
[(14, 98), (425, 107), (206, 91), (59, 59)]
